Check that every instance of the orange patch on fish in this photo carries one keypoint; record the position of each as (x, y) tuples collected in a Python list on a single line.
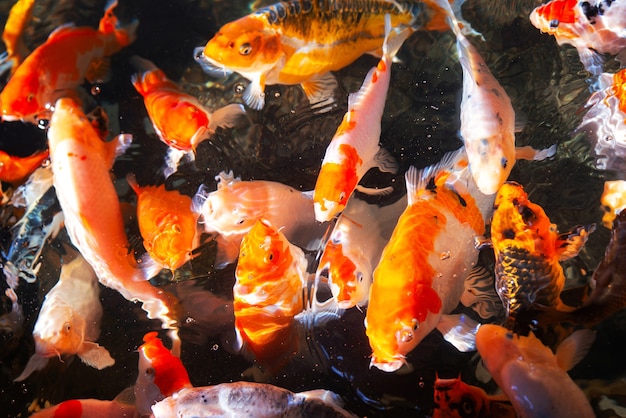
[(560, 11), (170, 375), (69, 409), (341, 271), (619, 89), (347, 124)]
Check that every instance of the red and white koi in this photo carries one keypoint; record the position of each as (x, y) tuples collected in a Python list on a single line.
[(236, 205), (592, 27), (355, 147), (421, 273), (69, 320), (81, 164), (60, 65)]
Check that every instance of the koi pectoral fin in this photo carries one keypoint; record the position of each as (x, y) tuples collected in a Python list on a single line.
[(321, 89), (374, 192), (459, 330), (529, 153), (95, 355), (570, 243)]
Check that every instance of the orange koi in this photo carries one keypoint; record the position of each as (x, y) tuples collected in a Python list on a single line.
[(60, 65), (167, 224), (354, 149), (16, 170), (19, 17), (81, 163), (268, 292), (528, 250), (301, 41), (179, 119), (420, 276), (533, 377), (613, 201), (605, 121), (592, 27), (456, 399)]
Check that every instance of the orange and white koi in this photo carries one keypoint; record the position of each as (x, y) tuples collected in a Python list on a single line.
[(605, 121), (247, 399), (16, 170), (19, 17), (420, 276), (355, 147), (533, 377), (528, 250), (592, 27), (167, 224), (487, 117), (69, 320), (301, 41), (81, 164), (613, 201), (179, 119), (60, 65), (456, 399), (354, 248), (268, 293), (236, 205)]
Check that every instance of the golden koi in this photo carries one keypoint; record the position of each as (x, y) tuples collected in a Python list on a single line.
[(456, 399), (81, 164), (301, 41), (167, 224), (268, 292), (605, 121), (60, 65), (354, 148), (592, 27), (528, 250), (19, 17), (420, 276), (531, 375), (613, 201)]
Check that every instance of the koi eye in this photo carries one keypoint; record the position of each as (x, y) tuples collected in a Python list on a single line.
[(359, 277), (240, 221), (415, 325), (554, 23), (504, 162), (245, 49), (467, 407), (30, 97), (269, 257), (67, 328), (342, 196)]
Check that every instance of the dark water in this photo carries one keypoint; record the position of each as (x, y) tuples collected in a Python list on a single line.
[(286, 142)]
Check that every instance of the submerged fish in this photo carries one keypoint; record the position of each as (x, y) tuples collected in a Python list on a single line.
[(236, 205), (354, 248), (420, 276), (355, 147), (456, 399), (246, 399), (12, 35), (528, 250), (487, 118), (532, 376), (69, 320), (605, 121), (167, 224), (301, 41), (179, 119), (81, 164), (592, 27), (60, 65), (613, 201), (268, 293)]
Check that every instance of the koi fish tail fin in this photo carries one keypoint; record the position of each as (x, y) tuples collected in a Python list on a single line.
[(574, 348), (417, 181), (394, 39), (480, 294), (109, 24), (591, 60)]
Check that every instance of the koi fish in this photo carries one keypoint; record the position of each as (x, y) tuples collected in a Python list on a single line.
[(268, 293), (605, 121), (179, 119), (244, 399), (420, 276), (487, 118), (592, 27), (81, 164), (531, 375), (236, 205), (301, 41), (166, 223), (354, 148), (88, 408), (69, 320), (60, 65), (455, 399), (19, 17), (528, 250), (354, 248), (16, 170), (613, 201)]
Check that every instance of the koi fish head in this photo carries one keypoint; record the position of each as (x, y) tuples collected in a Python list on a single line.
[(335, 183), (59, 330), (244, 45), (613, 201), (171, 246), (455, 398), (491, 163), (20, 98), (161, 374), (555, 17)]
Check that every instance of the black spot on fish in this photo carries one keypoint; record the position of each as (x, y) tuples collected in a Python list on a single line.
[(589, 11), (528, 216), (496, 92), (272, 17), (307, 6), (280, 10), (508, 234), (431, 185)]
